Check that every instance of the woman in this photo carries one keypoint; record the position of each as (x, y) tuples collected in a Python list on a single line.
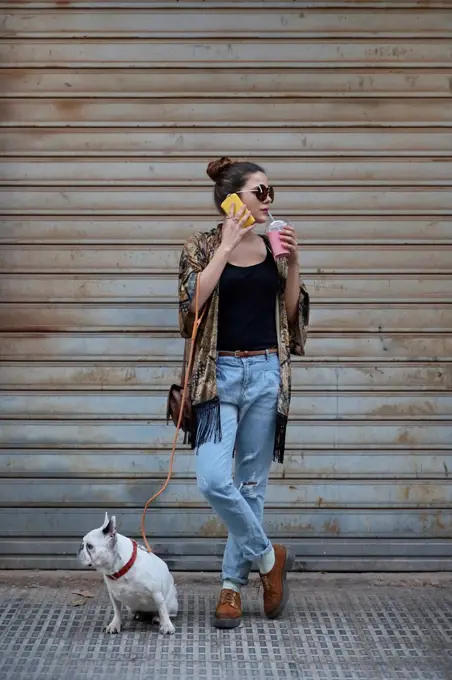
[(257, 315)]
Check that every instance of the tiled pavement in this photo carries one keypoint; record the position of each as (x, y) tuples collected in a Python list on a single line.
[(370, 627)]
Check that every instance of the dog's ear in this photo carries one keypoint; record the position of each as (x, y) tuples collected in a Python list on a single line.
[(109, 529)]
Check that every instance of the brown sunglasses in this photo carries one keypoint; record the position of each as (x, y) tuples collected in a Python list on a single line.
[(261, 192)]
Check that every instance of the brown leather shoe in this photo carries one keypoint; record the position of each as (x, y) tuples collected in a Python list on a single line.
[(276, 590), (228, 613)]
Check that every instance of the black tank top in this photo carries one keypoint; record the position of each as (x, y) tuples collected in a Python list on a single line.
[(247, 306)]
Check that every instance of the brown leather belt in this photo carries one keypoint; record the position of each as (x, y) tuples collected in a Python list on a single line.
[(244, 354)]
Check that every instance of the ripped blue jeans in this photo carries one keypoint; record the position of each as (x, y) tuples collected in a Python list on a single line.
[(248, 390)]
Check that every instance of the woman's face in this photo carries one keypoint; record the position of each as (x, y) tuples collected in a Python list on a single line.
[(258, 208)]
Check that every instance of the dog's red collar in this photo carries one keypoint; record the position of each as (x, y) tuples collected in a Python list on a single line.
[(127, 566)]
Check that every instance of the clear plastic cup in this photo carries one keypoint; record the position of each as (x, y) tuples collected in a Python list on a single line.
[(273, 232)]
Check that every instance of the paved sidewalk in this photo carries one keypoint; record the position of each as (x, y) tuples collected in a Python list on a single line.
[(373, 627)]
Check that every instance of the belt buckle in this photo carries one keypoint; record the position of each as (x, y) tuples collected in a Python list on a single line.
[(237, 354)]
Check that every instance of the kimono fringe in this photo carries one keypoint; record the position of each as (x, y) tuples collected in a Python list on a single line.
[(280, 438), (206, 423)]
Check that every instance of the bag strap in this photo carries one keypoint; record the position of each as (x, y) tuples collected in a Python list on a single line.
[(188, 343), (184, 361), (186, 377)]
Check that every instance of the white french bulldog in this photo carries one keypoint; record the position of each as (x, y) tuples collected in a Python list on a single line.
[(138, 579)]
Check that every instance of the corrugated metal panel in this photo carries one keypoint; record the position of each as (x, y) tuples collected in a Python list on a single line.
[(108, 114)]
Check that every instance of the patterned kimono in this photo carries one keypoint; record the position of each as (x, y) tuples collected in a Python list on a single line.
[(196, 255)]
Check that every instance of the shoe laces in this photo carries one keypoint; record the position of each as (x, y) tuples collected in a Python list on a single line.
[(265, 581), (229, 597)]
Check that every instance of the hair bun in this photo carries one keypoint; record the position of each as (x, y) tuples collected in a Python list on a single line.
[(217, 168)]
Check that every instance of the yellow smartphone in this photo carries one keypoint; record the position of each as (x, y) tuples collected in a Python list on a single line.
[(235, 200)]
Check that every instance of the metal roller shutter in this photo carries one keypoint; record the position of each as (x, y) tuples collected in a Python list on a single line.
[(110, 112)]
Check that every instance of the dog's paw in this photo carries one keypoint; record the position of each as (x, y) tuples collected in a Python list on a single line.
[(113, 628), (167, 628), (156, 620)]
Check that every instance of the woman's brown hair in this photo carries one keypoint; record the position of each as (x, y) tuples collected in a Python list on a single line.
[(229, 177)]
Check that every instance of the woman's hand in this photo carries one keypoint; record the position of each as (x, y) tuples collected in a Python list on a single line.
[(289, 241), (292, 292), (233, 230)]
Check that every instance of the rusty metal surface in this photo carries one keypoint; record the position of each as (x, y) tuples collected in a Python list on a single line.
[(335, 317), (160, 172), (323, 538), (123, 493), (156, 201), (152, 405), (148, 83), (226, 111), (277, 21), (405, 434), (387, 374), (377, 231), (162, 289), (188, 53), (164, 347), (144, 464), (191, 142), (164, 259), (199, 522), (107, 118), (339, 5)]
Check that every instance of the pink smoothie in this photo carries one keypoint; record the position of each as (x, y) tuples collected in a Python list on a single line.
[(278, 249)]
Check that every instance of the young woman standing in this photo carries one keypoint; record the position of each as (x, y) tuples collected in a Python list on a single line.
[(257, 316)]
